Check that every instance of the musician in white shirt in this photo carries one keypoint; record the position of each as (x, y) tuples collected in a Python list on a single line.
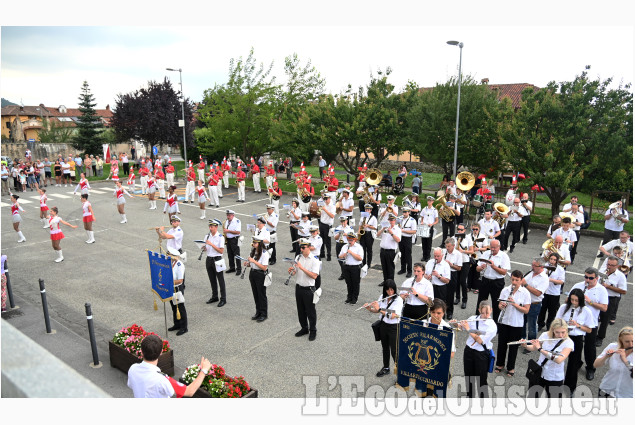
[(348, 204), (307, 270), (215, 246), (516, 214), (623, 241), (390, 237), (438, 272), (536, 282), (327, 215), (408, 227), (480, 246), (489, 227), (563, 251), (465, 246), (419, 295), (528, 205), (574, 201), (495, 265), (454, 259), (576, 222), (614, 224), (369, 225), (596, 298), (340, 233), (316, 244), (516, 304), (271, 222), (618, 380), (551, 299), (295, 214), (615, 285), (429, 217), (580, 320), (390, 208), (481, 331), (352, 256)]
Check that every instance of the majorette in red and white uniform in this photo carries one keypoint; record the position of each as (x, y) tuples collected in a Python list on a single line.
[(56, 232), (115, 171), (119, 195), (87, 216), (15, 212), (43, 206), (171, 205), (151, 184), (131, 178), (83, 186)]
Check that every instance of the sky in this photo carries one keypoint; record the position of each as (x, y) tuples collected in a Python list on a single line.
[(48, 64)]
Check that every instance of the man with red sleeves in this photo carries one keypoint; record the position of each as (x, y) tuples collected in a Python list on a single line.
[(255, 175), (270, 174), (219, 175), (240, 182), (190, 191), (213, 187), (160, 181), (143, 172), (169, 173), (201, 169), (275, 194), (332, 185)]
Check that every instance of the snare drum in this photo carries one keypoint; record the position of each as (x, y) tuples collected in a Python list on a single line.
[(423, 230), (478, 200), (489, 206)]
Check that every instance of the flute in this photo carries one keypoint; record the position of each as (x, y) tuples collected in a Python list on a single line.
[(286, 282), (525, 341), (383, 299)]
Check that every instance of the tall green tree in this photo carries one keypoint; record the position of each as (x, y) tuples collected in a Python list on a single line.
[(89, 125), (54, 131), (237, 116), (561, 133), (431, 123)]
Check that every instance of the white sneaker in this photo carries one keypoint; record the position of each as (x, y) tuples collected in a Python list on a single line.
[(202, 218), (22, 240), (65, 185), (45, 226), (90, 241), (123, 221), (59, 259)]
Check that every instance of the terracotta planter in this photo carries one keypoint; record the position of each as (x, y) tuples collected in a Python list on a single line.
[(122, 359)]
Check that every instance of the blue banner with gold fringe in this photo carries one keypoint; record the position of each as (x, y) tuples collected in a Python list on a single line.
[(161, 275), (424, 352)]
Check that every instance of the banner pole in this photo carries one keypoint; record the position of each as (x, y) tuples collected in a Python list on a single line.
[(165, 318)]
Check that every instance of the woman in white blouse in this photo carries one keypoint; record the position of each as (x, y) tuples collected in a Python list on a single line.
[(258, 261), (618, 381), (481, 330), (389, 322), (581, 321), (552, 357)]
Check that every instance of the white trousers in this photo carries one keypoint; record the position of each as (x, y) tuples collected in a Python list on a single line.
[(190, 193), (161, 187), (226, 179), (201, 174), (213, 194), (219, 187), (241, 191), (256, 180), (170, 179), (144, 184), (269, 182)]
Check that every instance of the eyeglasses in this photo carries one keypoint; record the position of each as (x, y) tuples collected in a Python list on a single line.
[(589, 277)]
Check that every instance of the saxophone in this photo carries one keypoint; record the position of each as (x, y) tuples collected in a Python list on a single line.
[(362, 231)]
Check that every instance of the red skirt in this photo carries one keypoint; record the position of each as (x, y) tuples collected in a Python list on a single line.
[(44, 209), (88, 218), (57, 236)]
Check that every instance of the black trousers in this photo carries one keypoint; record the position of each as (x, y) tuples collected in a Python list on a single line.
[(367, 244), (555, 389), (215, 278), (338, 248), (590, 351), (387, 258), (126, 168), (405, 247), (473, 277), (507, 334), (294, 236), (459, 218), (610, 235), (232, 251), (513, 227), (452, 287), (306, 308), (448, 230), (574, 250), (272, 246), (388, 338), (606, 315), (352, 279), (182, 323), (324, 234), (440, 291), (525, 224), (475, 366), (550, 305), (462, 284), (259, 291), (574, 362), (493, 288), (416, 312), (426, 246)]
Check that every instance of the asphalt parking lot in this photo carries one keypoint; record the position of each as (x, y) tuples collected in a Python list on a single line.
[(113, 275)]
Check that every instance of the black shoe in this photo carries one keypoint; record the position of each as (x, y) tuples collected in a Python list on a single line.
[(328, 258), (221, 303), (321, 255), (302, 332), (312, 335), (212, 300), (230, 271), (238, 272), (353, 302), (181, 332), (524, 242), (381, 284), (174, 328), (409, 274), (271, 263), (598, 343), (448, 316), (600, 255), (511, 249), (456, 301), (464, 305), (590, 375), (382, 372), (255, 316), (340, 278), (540, 327), (261, 319), (423, 259), (293, 250), (401, 272), (526, 351)]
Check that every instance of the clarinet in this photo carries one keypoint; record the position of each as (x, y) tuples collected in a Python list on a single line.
[(504, 309), (203, 249), (253, 252)]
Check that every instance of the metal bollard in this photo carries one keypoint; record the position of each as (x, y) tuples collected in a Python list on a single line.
[(91, 333), (348, 178), (47, 321), (9, 290)]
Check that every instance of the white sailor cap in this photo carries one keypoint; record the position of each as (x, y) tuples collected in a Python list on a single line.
[(304, 241), (390, 197), (270, 206), (313, 228), (262, 220), (175, 217), (214, 222), (391, 216), (406, 209), (230, 212)]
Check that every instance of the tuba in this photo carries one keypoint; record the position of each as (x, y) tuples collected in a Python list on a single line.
[(465, 181), (615, 208), (374, 177), (501, 209), (445, 212), (406, 202), (549, 247)]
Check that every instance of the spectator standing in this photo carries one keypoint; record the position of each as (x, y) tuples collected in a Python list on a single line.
[(126, 164), (88, 166), (416, 184), (78, 164), (100, 166)]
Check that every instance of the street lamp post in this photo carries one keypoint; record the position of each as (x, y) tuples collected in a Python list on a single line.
[(458, 103), (182, 112)]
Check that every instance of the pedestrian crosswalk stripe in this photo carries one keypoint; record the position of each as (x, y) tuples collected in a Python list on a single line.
[(96, 191), (57, 195)]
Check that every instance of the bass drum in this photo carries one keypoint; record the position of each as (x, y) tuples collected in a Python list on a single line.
[(477, 201), (314, 209)]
